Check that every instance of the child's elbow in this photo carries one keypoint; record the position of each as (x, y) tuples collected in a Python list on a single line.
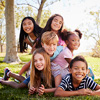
[(57, 94)]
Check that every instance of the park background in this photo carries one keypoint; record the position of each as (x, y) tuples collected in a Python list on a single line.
[(81, 14)]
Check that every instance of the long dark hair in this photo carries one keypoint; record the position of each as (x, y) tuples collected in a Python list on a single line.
[(37, 31), (48, 26)]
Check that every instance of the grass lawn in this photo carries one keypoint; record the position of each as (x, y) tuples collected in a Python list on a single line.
[(8, 93)]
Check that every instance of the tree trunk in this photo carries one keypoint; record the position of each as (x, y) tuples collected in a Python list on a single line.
[(40, 11), (1, 48), (11, 48)]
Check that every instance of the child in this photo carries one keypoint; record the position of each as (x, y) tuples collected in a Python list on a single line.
[(40, 69), (29, 33), (49, 42), (55, 24), (60, 64), (77, 83)]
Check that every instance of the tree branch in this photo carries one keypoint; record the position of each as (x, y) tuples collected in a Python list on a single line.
[(52, 2), (38, 2), (28, 5), (2, 3)]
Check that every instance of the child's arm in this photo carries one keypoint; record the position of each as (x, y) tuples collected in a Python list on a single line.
[(32, 90), (61, 93), (57, 79), (25, 68), (68, 60), (42, 90), (97, 91), (33, 48)]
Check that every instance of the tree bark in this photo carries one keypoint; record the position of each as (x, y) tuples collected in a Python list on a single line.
[(40, 11), (11, 48)]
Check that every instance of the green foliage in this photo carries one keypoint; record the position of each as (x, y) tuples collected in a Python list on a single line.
[(96, 35), (45, 16), (8, 93), (2, 38), (94, 62), (96, 49), (2, 6), (21, 12)]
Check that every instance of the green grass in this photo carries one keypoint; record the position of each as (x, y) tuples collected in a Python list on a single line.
[(8, 93)]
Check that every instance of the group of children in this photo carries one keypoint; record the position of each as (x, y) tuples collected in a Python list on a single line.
[(52, 67)]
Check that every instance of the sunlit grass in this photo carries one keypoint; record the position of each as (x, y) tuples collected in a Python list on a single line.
[(8, 93)]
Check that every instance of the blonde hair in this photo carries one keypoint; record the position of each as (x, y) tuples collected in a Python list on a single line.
[(35, 74), (48, 37)]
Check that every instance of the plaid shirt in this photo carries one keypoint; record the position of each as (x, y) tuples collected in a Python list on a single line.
[(87, 82)]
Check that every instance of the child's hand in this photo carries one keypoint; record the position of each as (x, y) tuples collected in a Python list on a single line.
[(41, 90), (85, 92), (32, 90)]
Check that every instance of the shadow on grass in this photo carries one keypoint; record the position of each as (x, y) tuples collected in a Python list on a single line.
[(1, 59), (1, 62)]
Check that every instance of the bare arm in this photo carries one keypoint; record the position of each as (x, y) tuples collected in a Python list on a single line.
[(33, 48), (25, 68), (30, 44), (42, 90), (68, 60), (97, 91), (58, 79), (61, 93)]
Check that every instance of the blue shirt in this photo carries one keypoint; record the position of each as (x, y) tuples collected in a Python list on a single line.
[(56, 53)]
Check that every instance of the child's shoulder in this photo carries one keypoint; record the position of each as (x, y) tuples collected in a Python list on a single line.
[(88, 79), (59, 48), (68, 77)]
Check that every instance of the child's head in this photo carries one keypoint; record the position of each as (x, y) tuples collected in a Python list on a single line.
[(49, 42), (40, 63), (54, 23), (27, 23), (78, 68), (72, 39), (28, 26)]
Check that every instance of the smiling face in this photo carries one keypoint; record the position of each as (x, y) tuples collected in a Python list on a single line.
[(50, 48), (73, 42), (56, 24), (39, 61), (78, 71), (28, 26)]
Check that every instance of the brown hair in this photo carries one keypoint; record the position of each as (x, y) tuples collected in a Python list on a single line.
[(35, 74)]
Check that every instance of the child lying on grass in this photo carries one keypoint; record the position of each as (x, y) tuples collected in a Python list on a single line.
[(77, 83)]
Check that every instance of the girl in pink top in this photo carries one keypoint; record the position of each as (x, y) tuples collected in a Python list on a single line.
[(61, 62), (55, 24)]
